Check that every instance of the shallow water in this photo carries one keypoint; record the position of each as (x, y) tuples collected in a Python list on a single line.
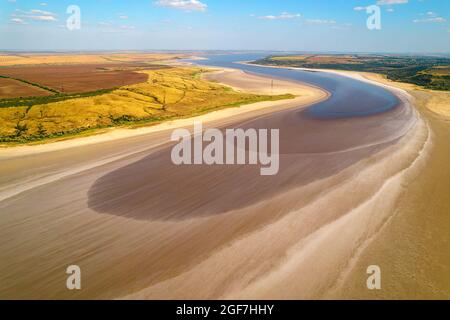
[(350, 98)]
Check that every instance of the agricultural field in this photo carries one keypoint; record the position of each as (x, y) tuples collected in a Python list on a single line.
[(10, 88), (8, 59), (166, 93), (62, 74), (427, 71), (324, 59), (76, 78), (440, 71)]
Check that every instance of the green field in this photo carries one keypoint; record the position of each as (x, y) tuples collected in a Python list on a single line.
[(426, 71)]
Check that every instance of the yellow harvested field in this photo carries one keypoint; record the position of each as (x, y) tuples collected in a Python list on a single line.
[(318, 58), (34, 59), (167, 94), (143, 57), (293, 58), (439, 71)]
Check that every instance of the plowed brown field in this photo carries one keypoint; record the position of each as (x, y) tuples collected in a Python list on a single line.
[(77, 78), (10, 88)]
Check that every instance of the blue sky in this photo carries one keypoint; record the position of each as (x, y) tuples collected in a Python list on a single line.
[(303, 25)]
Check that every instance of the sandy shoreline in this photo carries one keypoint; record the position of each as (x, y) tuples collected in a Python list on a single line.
[(294, 265), (143, 228), (419, 228)]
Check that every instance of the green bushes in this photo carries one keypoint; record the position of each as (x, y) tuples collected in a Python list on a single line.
[(410, 69)]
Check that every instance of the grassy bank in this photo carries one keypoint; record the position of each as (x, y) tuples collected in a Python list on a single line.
[(168, 94), (429, 72)]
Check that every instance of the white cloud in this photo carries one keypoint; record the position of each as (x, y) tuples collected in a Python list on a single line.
[(430, 17), (390, 2), (186, 5), (431, 20), (282, 16), (383, 3), (127, 27), (342, 26), (320, 21), (47, 13), (44, 18), (17, 21), (429, 14), (35, 14)]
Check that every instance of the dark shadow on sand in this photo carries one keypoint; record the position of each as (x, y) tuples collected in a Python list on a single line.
[(153, 188)]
